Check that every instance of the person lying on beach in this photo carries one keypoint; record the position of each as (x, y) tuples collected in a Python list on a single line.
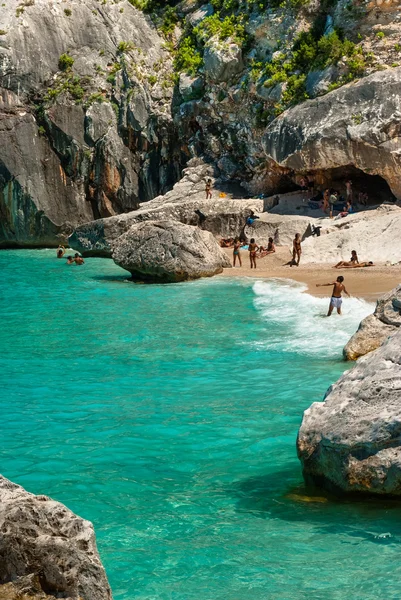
[(236, 252), (252, 249), (336, 299), (270, 248), (352, 261), (362, 264), (296, 250), (78, 260), (227, 242), (60, 251)]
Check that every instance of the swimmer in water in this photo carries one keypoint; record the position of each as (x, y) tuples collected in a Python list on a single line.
[(336, 299), (78, 260), (60, 251)]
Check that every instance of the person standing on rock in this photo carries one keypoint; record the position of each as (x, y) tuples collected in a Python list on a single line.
[(208, 189), (336, 299), (296, 250), (326, 196), (236, 252), (253, 247)]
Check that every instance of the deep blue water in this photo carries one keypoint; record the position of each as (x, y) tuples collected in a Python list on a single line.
[(168, 415)]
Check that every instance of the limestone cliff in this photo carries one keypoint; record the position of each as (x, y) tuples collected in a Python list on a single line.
[(102, 103)]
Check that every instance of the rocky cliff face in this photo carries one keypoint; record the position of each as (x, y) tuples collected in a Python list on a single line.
[(85, 125), (102, 104), (351, 441), (45, 550)]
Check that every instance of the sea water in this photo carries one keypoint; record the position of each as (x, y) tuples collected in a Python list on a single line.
[(168, 416)]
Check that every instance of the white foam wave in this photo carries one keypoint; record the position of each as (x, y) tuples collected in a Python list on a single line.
[(297, 322)]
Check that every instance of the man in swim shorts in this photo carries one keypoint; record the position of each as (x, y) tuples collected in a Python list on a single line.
[(336, 299)]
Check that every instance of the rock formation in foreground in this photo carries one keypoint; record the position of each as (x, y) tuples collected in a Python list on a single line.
[(46, 548), (224, 216), (168, 251), (376, 328), (352, 441)]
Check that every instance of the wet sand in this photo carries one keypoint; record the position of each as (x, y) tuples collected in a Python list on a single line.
[(368, 282)]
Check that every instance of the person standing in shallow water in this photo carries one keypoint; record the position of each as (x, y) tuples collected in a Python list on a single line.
[(208, 189), (236, 252), (296, 250), (252, 248), (336, 299)]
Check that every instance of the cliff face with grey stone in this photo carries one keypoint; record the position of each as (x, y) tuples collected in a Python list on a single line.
[(46, 551), (351, 441), (103, 103), (85, 132)]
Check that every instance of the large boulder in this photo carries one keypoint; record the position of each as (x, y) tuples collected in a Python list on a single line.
[(169, 251), (222, 60), (351, 441), (44, 542), (358, 124), (376, 328), (225, 217)]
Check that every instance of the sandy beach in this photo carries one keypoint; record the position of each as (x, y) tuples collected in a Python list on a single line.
[(368, 283)]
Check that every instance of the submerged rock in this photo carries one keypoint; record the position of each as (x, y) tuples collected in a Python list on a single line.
[(168, 251), (49, 547), (351, 441), (376, 328)]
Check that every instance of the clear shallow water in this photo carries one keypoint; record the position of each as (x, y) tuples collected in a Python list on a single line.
[(168, 416)]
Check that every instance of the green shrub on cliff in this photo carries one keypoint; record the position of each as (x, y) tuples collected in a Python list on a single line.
[(188, 58), (65, 62)]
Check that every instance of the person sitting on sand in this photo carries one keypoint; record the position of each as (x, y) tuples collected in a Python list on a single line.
[(270, 248), (226, 242), (296, 250), (347, 210), (208, 189), (60, 251), (78, 260), (236, 252), (343, 263), (252, 248), (336, 299), (362, 264)]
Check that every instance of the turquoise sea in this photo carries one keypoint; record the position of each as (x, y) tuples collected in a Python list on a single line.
[(168, 416)]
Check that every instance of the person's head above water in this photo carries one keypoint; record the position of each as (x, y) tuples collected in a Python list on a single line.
[(76, 255), (340, 279)]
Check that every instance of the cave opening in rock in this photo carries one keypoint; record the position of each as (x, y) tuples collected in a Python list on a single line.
[(375, 186)]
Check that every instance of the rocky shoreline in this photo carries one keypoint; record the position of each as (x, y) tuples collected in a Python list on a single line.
[(46, 551)]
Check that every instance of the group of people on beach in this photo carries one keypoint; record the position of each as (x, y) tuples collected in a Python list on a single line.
[(76, 259), (330, 199)]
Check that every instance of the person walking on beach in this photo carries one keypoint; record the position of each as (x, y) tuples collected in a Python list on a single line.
[(252, 248), (336, 299), (296, 250), (208, 189), (236, 252)]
